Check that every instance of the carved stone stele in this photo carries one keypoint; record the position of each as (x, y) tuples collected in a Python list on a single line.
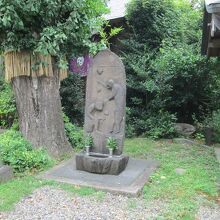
[(106, 101), (105, 115)]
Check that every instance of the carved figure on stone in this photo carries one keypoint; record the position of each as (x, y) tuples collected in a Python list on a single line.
[(95, 116), (118, 95), (105, 101)]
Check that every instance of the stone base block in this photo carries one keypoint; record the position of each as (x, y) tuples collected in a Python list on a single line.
[(101, 164), (6, 173)]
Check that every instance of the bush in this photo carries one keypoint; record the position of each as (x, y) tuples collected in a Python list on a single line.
[(166, 74), (7, 105), (19, 154), (72, 93), (152, 125), (73, 133), (193, 81)]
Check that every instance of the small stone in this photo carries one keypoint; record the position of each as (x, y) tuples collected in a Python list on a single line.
[(217, 153), (180, 171), (6, 173)]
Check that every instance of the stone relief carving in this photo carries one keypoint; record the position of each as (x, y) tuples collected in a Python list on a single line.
[(105, 101)]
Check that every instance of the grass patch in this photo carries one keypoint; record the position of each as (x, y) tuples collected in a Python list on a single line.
[(12, 191), (183, 194)]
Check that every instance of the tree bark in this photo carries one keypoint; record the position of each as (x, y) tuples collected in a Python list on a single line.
[(1, 66), (40, 112)]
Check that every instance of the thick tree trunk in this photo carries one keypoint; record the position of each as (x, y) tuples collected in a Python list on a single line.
[(40, 113), (1, 66)]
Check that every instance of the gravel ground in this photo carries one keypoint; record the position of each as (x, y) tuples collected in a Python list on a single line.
[(54, 204), (48, 203), (207, 213)]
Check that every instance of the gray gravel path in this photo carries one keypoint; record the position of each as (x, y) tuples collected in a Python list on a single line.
[(207, 213), (49, 203), (54, 204)]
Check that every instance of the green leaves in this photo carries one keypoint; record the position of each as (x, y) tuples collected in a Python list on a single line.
[(166, 75), (73, 133), (56, 27), (112, 143), (7, 105), (19, 154)]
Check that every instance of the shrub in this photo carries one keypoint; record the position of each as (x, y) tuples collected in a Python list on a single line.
[(7, 105), (72, 93), (19, 154), (153, 125), (161, 125), (73, 133), (166, 74)]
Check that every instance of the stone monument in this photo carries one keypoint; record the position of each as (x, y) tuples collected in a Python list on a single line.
[(5, 172), (105, 115)]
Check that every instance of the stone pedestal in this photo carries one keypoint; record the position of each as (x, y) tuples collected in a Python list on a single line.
[(5, 173), (101, 164)]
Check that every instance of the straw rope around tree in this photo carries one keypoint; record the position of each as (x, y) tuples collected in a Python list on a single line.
[(26, 64)]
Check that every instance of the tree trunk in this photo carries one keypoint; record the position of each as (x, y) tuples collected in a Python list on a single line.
[(1, 66), (40, 112)]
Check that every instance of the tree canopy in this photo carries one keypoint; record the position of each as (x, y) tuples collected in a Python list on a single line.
[(166, 74), (55, 27)]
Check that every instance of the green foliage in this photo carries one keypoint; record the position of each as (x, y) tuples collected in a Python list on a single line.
[(73, 133), (154, 125), (166, 75), (159, 16), (193, 81), (89, 140), (112, 143), (7, 105), (199, 136), (161, 125), (72, 93), (180, 196), (56, 27), (107, 32), (19, 154)]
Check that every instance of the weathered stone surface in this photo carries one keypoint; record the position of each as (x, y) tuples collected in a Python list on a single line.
[(180, 171), (101, 164), (188, 142), (184, 129), (5, 173), (2, 131), (105, 114), (129, 183), (217, 153), (106, 101)]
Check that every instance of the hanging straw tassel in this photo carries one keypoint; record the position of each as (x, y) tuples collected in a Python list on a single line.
[(26, 64), (63, 74)]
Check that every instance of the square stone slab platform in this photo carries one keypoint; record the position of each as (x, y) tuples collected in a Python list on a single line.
[(130, 182)]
